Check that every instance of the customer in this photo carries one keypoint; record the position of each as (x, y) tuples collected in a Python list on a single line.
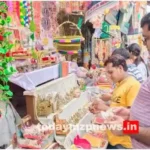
[(135, 52), (140, 109), (124, 93), (132, 69)]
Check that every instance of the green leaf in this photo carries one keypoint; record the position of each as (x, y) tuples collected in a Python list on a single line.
[(2, 22), (2, 50), (5, 79), (4, 64), (12, 69), (32, 36), (6, 87), (1, 87), (9, 93), (1, 72), (10, 46), (6, 71), (8, 20), (6, 34)]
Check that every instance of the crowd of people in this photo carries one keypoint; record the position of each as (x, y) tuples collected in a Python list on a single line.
[(130, 97)]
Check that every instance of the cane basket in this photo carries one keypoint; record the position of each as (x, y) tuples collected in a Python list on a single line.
[(67, 40)]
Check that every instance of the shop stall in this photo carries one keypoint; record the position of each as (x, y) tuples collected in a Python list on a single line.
[(40, 44)]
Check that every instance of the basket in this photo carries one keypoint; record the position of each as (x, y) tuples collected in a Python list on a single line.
[(68, 42)]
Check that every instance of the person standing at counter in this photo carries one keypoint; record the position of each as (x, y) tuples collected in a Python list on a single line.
[(135, 54), (125, 91)]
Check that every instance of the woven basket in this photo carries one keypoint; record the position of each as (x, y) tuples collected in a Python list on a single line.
[(69, 42)]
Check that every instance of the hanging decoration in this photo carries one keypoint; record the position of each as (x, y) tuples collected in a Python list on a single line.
[(45, 16), (116, 34), (37, 15), (97, 21), (25, 13), (5, 69), (10, 6)]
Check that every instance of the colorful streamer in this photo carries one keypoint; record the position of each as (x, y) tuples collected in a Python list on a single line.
[(25, 13), (75, 40)]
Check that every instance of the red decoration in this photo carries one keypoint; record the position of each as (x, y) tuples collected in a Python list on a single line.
[(93, 66), (1, 38)]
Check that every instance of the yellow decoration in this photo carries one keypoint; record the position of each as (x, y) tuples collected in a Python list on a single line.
[(114, 27), (106, 11), (117, 45), (45, 41), (101, 63), (67, 41)]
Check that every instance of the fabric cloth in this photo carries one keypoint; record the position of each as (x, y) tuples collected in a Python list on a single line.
[(30, 80), (134, 71), (123, 95), (142, 68), (8, 122), (140, 111)]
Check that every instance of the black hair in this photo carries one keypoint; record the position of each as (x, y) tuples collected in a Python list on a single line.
[(146, 20), (123, 52), (135, 50), (117, 60)]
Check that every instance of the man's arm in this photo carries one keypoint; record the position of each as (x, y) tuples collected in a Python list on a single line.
[(143, 136), (106, 97)]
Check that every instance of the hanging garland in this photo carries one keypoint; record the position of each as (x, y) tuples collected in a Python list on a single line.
[(5, 46)]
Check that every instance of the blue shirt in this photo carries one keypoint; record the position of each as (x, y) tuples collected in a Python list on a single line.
[(133, 70)]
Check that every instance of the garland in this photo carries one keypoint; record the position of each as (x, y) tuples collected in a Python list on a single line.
[(6, 70)]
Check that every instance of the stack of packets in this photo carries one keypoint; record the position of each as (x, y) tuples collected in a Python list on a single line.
[(63, 69)]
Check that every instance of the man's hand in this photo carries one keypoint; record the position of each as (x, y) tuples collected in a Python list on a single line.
[(117, 122), (105, 97), (122, 112), (98, 106)]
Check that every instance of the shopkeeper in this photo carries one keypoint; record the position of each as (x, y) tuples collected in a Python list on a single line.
[(126, 89)]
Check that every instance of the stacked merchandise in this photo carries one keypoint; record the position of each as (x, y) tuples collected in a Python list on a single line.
[(33, 136)]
